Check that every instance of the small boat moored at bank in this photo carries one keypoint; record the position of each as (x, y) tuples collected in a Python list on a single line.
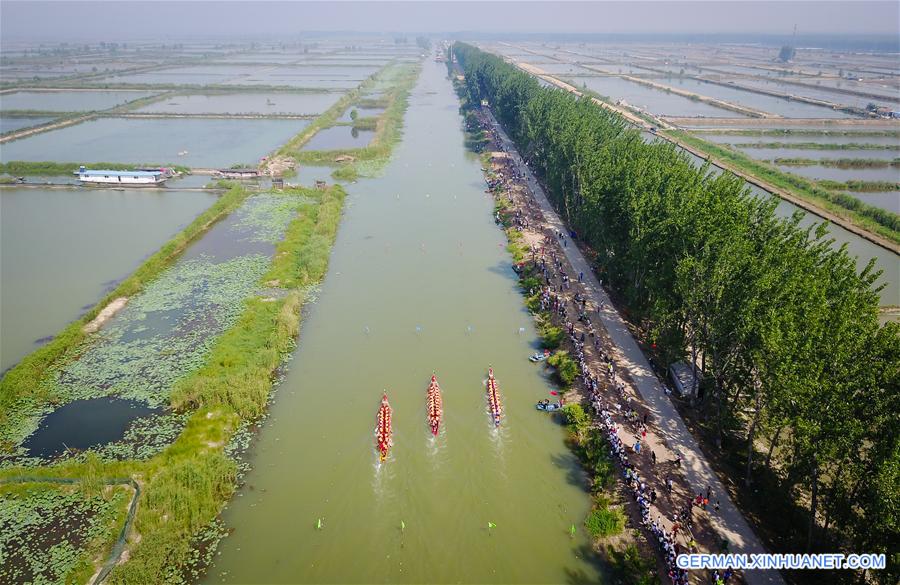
[(548, 406), (383, 430), (495, 408), (539, 356), (434, 406)]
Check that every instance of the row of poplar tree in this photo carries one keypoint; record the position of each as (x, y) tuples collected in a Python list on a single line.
[(783, 328)]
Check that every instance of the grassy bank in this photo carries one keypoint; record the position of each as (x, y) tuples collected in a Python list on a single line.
[(33, 114), (840, 163), (836, 131), (822, 194), (859, 186), (186, 485), (47, 169), (817, 146)]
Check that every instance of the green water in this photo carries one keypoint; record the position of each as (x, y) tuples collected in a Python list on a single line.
[(419, 281), (61, 250)]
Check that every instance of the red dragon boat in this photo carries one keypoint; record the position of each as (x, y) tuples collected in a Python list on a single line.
[(493, 395), (383, 441), (434, 406)]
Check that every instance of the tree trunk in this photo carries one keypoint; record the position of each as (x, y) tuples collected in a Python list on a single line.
[(772, 445), (829, 500), (719, 412), (814, 503), (752, 434)]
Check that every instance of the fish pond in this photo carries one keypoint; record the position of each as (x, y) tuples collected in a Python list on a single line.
[(361, 112), (765, 103), (190, 142), (19, 123), (68, 101), (889, 200), (244, 103), (61, 250), (652, 100), (339, 138), (818, 172)]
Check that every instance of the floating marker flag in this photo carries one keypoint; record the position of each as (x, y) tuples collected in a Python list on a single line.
[(319, 524), (572, 531), (491, 525), (402, 525)]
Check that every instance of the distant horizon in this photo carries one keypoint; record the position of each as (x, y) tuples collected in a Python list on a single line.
[(42, 21)]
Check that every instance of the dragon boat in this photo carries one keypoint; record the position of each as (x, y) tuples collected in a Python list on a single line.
[(493, 396), (383, 442), (434, 406)]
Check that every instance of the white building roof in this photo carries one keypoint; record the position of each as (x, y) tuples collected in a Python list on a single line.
[(100, 173)]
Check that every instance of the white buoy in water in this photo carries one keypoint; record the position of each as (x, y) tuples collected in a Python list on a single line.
[(366, 329), (469, 329), (418, 329), (521, 330)]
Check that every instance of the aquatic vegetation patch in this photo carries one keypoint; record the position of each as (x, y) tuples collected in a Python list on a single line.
[(167, 330), (145, 438), (266, 216), (164, 332), (51, 533)]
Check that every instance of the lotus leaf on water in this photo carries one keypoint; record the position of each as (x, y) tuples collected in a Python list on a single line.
[(48, 532)]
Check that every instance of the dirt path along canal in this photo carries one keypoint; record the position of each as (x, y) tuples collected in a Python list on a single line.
[(419, 281)]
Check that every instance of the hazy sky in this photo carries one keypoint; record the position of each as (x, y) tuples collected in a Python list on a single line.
[(134, 20)]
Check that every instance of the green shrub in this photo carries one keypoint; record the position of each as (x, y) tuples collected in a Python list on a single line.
[(530, 283), (604, 522), (551, 336), (631, 566), (566, 368), (576, 418)]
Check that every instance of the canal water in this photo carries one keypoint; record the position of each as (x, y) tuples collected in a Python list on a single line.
[(419, 282)]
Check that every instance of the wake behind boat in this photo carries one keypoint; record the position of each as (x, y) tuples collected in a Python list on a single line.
[(495, 409), (434, 406), (383, 431)]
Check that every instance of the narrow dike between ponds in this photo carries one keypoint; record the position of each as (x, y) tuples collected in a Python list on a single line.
[(419, 282)]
